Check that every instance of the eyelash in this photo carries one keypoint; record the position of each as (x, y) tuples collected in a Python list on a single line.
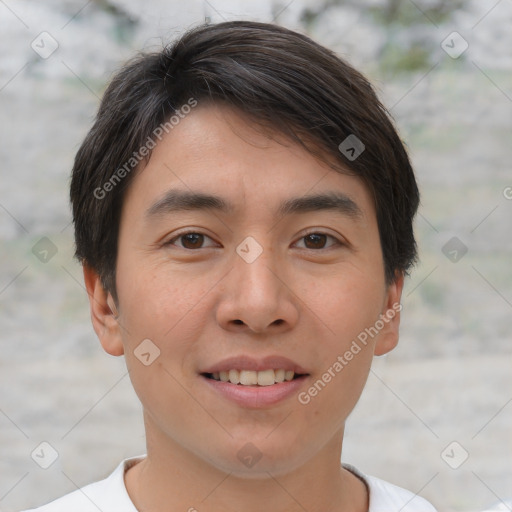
[(313, 232)]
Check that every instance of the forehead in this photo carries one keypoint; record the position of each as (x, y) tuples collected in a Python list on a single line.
[(217, 150)]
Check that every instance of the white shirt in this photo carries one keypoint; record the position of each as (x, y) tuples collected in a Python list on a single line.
[(110, 495)]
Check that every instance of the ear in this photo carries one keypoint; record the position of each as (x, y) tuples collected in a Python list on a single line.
[(103, 313), (390, 315)]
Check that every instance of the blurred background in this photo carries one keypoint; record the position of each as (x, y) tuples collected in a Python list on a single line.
[(436, 416)]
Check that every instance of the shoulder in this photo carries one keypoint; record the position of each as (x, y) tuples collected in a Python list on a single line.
[(386, 497), (108, 495)]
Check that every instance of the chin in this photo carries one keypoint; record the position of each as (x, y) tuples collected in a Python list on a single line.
[(257, 459)]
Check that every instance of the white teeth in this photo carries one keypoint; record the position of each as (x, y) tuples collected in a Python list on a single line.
[(279, 375), (266, 378), (252, 378), (248, 377), (234, 376)]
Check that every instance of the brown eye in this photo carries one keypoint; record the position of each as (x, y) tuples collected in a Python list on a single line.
[(190, 240), (318, 241)]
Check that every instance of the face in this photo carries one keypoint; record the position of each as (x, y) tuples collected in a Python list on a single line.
[(258, 277)]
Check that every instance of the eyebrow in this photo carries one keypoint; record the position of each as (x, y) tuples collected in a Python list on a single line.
[(179, 200)]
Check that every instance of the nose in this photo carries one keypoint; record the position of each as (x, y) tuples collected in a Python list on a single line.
[(257, 296)]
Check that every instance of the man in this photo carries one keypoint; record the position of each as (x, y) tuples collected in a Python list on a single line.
[(243, 212)]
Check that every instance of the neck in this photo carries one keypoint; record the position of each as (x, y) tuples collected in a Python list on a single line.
[(173, 478)]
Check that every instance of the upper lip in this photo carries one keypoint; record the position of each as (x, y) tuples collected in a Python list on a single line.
[(244, 362)]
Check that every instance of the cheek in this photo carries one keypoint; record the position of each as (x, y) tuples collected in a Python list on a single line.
[(169, 311), (155, 302), (346, 308), (334, 392), (161, 393), (346, 304)]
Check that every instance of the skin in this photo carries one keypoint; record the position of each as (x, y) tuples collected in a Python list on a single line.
[(200, 304)]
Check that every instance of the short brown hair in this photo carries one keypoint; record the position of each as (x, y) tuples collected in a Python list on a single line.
[(280, 78)]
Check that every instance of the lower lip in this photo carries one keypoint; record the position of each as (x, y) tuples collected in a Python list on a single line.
[(256, 396)]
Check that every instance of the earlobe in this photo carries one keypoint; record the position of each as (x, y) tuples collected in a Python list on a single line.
[(390, 317), (104, 314)]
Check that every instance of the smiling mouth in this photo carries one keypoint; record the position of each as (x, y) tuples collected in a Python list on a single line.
[(254, 378)]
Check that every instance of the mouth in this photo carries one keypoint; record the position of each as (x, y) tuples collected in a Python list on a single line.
[(254, 378), (255, 382)]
